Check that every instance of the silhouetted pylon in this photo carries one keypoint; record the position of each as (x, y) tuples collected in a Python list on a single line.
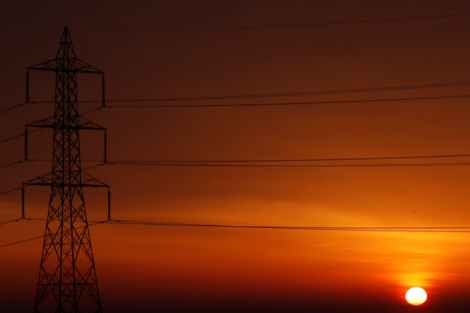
[(67, 275)]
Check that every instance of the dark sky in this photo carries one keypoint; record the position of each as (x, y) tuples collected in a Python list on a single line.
[(149, 268)]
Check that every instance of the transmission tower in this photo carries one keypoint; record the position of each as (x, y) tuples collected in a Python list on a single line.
[(67, 276)]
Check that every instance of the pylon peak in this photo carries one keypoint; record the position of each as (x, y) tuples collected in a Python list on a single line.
[(66, 48)]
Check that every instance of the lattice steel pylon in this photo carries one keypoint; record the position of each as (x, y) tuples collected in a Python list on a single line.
[(67, 276)]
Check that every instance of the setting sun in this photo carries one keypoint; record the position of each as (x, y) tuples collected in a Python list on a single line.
[(416, 296)]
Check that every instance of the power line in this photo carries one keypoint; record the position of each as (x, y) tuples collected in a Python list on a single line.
[(11, 190), (293, 165), (204, 162), (30, 47), (245, 104), (292, 160), (12, 107), (38, 129), (274, 95), (310, 93), (283, 94), (26, 186), (218, 163), (7, 222), (362, 228), (274, 26), (40, 237), (11, 138), (150, 163), (20, 135), (305, 228), (332, 228), (11, 164), (259, 104), (21, 241), (287, 103)]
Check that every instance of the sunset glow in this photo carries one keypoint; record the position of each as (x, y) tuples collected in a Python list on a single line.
[(252, 155)]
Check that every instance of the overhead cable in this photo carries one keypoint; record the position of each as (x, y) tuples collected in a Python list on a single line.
[(289, 103), (271, 95), (398, 19), (7, 222), (290, 160), (38, 129), (204, 162), (304, 228), (310, 228), (12, 107), (11, 138), (283, 94), (293, 165), (20, 135), (30, 47), (11, 190), (26, 186), (222, 162), (40, 237), (11, 164)]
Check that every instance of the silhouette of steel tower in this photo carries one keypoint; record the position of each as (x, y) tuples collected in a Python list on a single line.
[(67, 275)]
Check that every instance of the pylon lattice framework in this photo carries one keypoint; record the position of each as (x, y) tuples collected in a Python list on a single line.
[(67, 275)]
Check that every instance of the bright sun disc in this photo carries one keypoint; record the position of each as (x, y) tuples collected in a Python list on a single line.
[(416, 296)]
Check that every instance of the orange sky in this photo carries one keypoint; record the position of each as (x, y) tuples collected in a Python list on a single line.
[(170, 269)]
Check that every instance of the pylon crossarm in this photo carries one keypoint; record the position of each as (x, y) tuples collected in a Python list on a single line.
[(48, 180), (82, 123), (45, 66), (41, 180), (44, 123), (91, 181), (56, 65), (83, 67)]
